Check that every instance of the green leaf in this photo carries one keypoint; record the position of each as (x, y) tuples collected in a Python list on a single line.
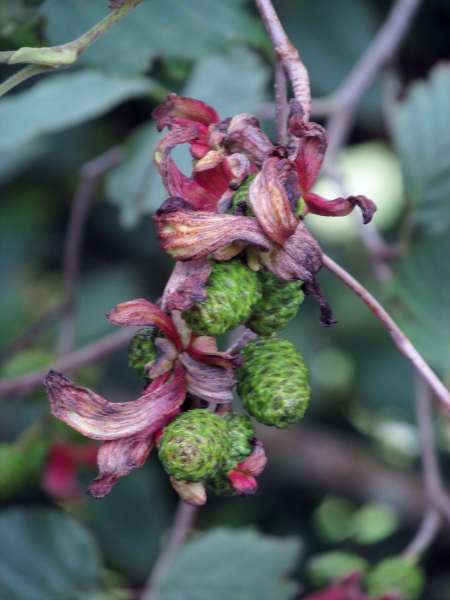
[(232, 84), (230, 563), (139, 508), (333, 519), (62, 101), (373, 523), (420, 293), (421, 132), (45, 555), (170, 27), (135, 185)]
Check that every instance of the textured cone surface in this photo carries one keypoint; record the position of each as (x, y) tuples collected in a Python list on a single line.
[(13, 471), (395, 574), (334, 565), (195, 445), (232, 291), (242, 433), (273, 382), (278, 306), (142, 350)]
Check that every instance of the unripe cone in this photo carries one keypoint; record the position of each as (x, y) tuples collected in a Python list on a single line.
[(13, 471), (396, 574), (142, 350), (242, 434), (278, 306), (195, 445), (273, 381), (232, 291)]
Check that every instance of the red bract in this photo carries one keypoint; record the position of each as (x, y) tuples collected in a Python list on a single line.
[(60, 478), (185, 364), (345, 589)]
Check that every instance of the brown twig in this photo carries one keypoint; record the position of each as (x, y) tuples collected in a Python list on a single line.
[(93, 352), (287, 54), (90, 172), (378, 54), (281, 102), (400, 339), (434, 487), (181, 524)]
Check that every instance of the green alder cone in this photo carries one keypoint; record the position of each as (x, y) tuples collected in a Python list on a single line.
[(141, 350), (242, 433), (273, 382), (278, 306), (13, 471), (232, 291), (195, 445), (396, 574), (326, 567)]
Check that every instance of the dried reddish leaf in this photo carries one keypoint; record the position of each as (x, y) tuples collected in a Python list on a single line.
[(96, 418), (187, 234), (142, 313), (269, 201), (186, 285), (117, 458), (186, 108), (340, 207)]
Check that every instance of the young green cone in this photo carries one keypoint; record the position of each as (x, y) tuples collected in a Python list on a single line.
[(242, 434), (195, 445), (142, 350), (232, 291), (273, 381), (278, 306)]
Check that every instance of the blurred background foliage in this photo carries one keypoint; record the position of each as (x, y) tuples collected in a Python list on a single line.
[(348, 475)]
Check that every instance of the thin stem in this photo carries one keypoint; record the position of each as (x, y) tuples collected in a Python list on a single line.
[(378, 54), (22, 75), (432, 519), (425, 535), (182, 523), (281, 105), (102, 27), (430, 466), (60, 57), (287, 54), (400, 339), (90, 172), (70, 362)]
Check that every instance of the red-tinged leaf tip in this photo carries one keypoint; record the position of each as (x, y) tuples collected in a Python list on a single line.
[(311, 146), (270, 203), (186, 108), (118, 458), (255, 463), (244, 485), (96, 418), (142, 313), (340, 207)]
